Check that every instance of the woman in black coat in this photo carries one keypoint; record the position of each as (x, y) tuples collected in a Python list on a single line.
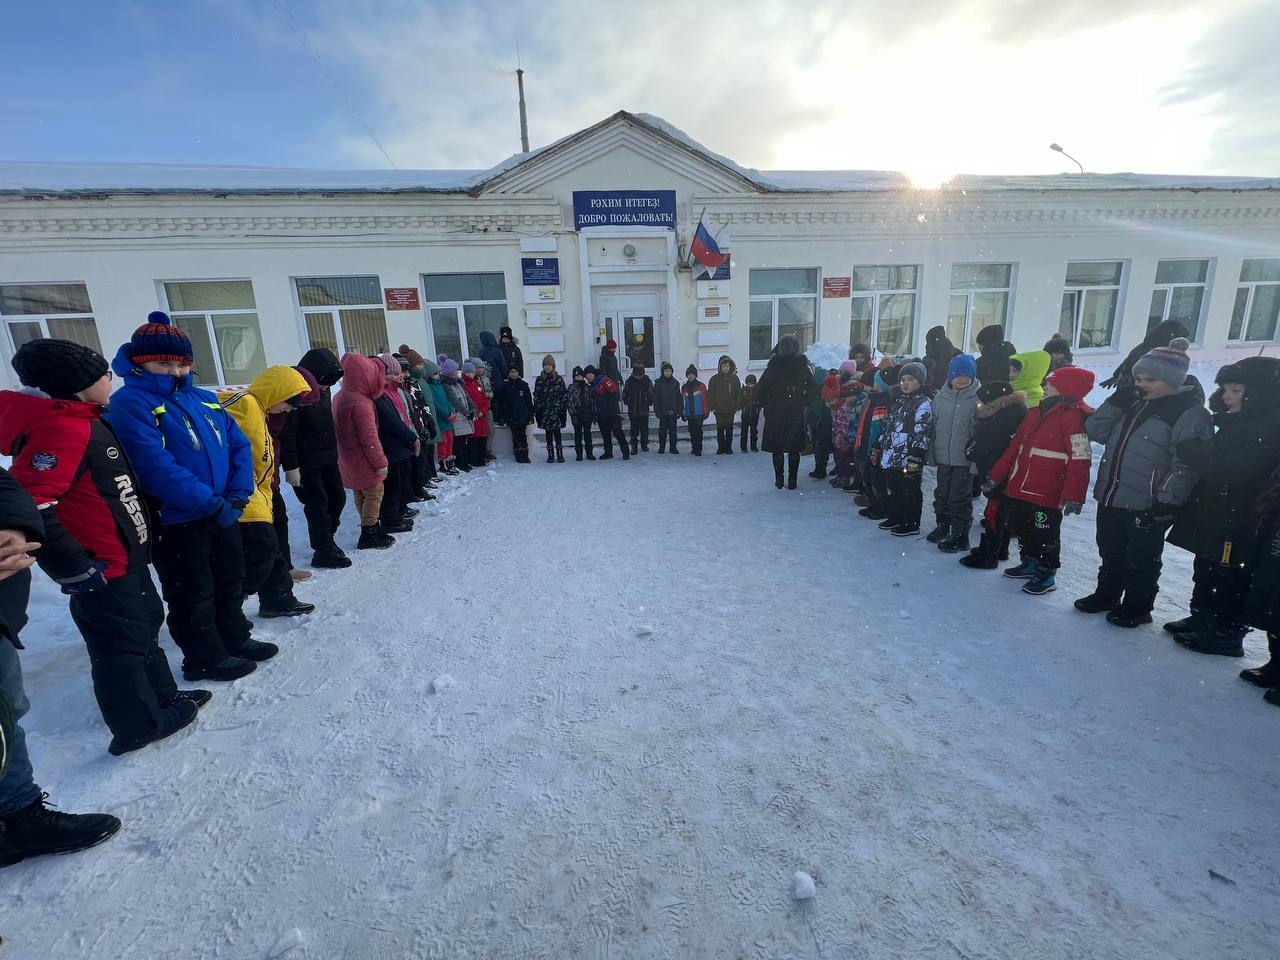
[(1219, 523), (511, 355), (1161, 335), (785, 389), (938, 353), (1262, 609), (993, 362)]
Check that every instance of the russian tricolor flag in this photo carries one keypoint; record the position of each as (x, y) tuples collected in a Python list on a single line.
[(704, 248)]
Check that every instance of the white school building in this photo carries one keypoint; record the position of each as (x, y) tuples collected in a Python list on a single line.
[(587, 239)]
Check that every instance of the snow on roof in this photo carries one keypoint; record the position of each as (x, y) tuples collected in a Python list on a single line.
[(72, 179)]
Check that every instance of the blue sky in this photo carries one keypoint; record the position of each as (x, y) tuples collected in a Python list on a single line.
[(932, 88)]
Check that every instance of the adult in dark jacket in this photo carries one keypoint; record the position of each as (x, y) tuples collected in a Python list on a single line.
[(608, 400), (309, 456), (993, 363), (511, 355), (1262, 609), (493, 355), (723, 393), (786, 387), (637, 397), (28, 828), (1219, 524), (513, 407), (938, 353), (668, 407), (608, 363), (999, 415), (1161, 335)]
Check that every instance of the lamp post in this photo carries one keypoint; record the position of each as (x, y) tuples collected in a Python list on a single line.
[(1058, 149)]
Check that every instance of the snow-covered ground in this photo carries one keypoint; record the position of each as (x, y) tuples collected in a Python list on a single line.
[(674, 687)]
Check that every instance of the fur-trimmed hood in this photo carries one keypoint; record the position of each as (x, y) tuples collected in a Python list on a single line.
[(986, 410)]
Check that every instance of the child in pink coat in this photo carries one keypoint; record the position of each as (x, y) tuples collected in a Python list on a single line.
[(361, 461)]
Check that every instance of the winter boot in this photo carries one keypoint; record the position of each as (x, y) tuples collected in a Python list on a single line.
[(287, 607), (176, 715), (1217, 638), (399, 525), (374, 538), (551, 455), (906, 529), (872, 512), (1272, 696), (1097, 603), (1267, 675), (819, 473), (793, 468), (255, 650), (958, 542), (330, 558), (862, 500), (940, 532), (198, 697), (590, 455), (836, 481), (410, 513), (36, 830), (579, 456), (231, 668), (777, 475), (1023, 571), (559, 453), (1198, 620), (1041, 582), (1120, 617), (888, 523)]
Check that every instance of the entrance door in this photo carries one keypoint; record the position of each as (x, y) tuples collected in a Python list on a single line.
[(632, 320)]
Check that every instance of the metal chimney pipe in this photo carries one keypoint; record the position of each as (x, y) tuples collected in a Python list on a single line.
[(524, 117)]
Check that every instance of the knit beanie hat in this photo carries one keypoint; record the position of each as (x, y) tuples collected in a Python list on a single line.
[(577, 371), (390, 363), (61, 368), (480, 365), (429, 367), (993, 391), (849, 366), (611, 344), (549, 361), (158, 339), (914, 369), (667, 366), (589, 369), (750, 381), (468, 368), (506, 332), (788, 346), (1169, 363), (447, 367), (1057, 345), (962, 366), (404, 364), (691, 369), (410, 354), (1072, 382)]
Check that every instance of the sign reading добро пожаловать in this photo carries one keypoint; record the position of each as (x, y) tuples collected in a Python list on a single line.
[(624, 208)]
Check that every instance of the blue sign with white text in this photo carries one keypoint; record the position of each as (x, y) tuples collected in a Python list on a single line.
[(624, 208), (540, 271)]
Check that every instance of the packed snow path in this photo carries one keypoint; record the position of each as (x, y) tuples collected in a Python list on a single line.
[(674, 687)]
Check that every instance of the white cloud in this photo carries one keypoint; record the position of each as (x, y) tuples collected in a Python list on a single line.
[(931, 88)]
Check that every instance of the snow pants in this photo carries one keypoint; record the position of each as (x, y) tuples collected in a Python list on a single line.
[(639, 424), (906, 501), (582, 437), (724, 434), (555, 444), (201, 568), (877, 487), (1221, 590), (519, 443), (18, 788), (953, 496), (695, 434), (751, 429), (132, 681), (395, 490), (611, 428), (323, 500), (280, 521), (1131, 551), (265, 571), (667, 433), (1038, 529)]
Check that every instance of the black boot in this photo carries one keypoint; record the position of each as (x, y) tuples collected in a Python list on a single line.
[(330, 558), (178, 714), (256, 650), (1120, 617), (1198, 620), (958, 542), (399, 525), (1267, 675), (231, 668), (559, 453), (1217, 638), (373, 538), (777, 474), (198, 697), (286, 607), (551, 454), (940, 532), (793, 470), (36, 830), (985, 556), (1097, 603)]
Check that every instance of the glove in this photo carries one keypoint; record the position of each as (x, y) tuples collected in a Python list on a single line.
[(1125, 397), (85, 580), (1070, 508), (293, 477), (989, 487), (914, 466), (1159, 517), (228, 514)]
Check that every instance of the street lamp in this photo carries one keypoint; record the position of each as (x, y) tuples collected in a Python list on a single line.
[(1057, 149)]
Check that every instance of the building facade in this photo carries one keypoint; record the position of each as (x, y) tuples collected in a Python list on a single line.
[(586, 240)]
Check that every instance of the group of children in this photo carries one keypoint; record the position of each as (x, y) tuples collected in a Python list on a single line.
[(1204, 479)]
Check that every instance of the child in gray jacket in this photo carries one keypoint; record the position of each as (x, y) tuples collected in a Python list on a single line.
[(955, 411)]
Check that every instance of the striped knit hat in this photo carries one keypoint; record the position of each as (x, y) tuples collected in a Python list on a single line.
[(158, 339), (1169, 363)]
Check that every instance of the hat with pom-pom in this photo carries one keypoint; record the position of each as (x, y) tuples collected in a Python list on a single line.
[(1169, 364), (159, 340)]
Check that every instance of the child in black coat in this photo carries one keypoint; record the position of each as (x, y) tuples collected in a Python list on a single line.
[(1000, 413), (750, 414), (637, 397), (513, 407)]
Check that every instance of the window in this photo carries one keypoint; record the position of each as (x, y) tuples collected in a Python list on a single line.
[(1090, 303), (460, 306), (884, 308), (782, 302), (1179, 294), (979, 298), (36, 311), (221, 318), (344, 314), (1257, 302)]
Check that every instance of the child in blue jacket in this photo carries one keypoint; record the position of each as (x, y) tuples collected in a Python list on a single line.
[(193, 461)]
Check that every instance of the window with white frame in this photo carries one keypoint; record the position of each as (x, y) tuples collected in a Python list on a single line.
[(37, 311), (460, 306), (782, 302), (1179, 294), (1257, 304), (221, 318), (884, 307), (1090, 303), (979, 298), (344, 314)]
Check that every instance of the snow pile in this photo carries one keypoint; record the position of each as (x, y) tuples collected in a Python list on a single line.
[(829, 355)]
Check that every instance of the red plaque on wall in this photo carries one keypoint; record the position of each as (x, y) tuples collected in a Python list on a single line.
[(833, 287), (402, 298)]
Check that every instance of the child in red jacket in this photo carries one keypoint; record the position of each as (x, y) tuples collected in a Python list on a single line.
[(1045, 476), (97, 536)]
